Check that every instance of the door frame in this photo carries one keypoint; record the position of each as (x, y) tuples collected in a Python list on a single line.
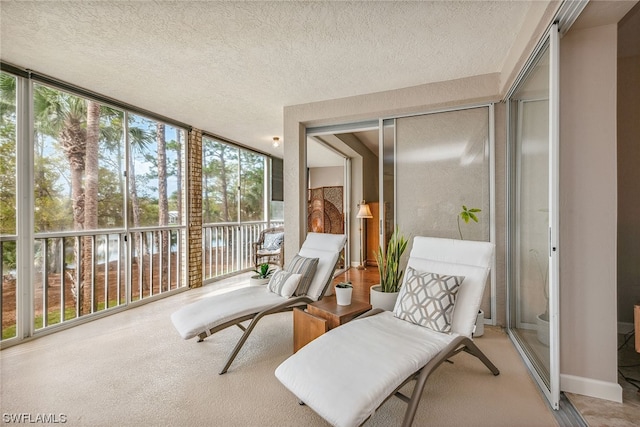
[(550, 389)]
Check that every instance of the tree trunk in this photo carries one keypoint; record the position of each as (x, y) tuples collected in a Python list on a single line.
[(72, 139), (179, 173), (90, 199), (135, 213), (163, 203)]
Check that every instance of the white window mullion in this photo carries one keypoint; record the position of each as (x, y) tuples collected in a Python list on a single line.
[(24, 208), (554, 215)]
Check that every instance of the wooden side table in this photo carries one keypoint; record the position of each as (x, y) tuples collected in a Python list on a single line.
[(320, 317)]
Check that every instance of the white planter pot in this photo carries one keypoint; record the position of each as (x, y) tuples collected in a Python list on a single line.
[(383, 300), (343, 296), (543, 329), (256, 280), (479, 331)]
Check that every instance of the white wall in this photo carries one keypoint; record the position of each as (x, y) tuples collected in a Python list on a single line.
[(588, 212), (331, 176), (424, 98)]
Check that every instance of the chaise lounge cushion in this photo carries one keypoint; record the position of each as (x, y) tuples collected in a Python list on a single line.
[(327, 248), (349, 393), (459, 258), (222, 310), (208, 312), (345, 374)]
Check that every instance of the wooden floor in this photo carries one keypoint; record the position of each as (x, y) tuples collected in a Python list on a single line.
[(362, 280)]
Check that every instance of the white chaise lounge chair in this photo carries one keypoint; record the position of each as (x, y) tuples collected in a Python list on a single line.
[(347, 373), (212, 314)]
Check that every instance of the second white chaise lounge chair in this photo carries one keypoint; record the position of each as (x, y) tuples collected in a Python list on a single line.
[(347, 373), (212, 314)]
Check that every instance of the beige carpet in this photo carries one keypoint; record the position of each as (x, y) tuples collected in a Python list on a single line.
[(132, 369)]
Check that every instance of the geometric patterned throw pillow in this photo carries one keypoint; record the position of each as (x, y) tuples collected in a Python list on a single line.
[(427, 299), (284, 283)]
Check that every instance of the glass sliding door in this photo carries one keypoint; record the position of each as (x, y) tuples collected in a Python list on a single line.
[(533, 246), (387, 157), (443, 167)]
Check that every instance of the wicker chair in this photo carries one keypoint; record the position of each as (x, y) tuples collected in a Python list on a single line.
[(269, 247)]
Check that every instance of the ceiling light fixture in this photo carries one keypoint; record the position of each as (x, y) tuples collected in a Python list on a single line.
[(276, 141)]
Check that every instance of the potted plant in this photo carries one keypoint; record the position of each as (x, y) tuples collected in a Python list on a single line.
[(343, 293), (384, 295), (466, 215), (263, 275)]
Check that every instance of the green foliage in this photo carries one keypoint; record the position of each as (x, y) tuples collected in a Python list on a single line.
[(8, 256), (264, 271), (389, 263), (344, 285), (467, 215), (231, 175), (220, 181), (251, 186), (7, 186), (110, 200), (53, 210), (7, 153)]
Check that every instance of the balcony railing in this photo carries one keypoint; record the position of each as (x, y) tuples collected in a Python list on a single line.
[(227, 248), (78, 274)]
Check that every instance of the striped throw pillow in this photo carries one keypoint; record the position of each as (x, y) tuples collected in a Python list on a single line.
[(307, 268)]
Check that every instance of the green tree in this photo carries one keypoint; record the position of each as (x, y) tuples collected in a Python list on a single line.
[(75, 123), (220, 183), (252, 186)]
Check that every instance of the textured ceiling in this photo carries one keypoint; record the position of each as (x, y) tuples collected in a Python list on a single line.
[(229, 68)]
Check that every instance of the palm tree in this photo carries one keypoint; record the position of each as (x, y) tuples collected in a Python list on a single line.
[(7, 96), (75, 123), (91, 147), (64, 117)]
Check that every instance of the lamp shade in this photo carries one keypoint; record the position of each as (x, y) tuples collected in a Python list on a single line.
[(364, 211)]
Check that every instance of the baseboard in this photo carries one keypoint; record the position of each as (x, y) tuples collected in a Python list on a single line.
[(590, 387), (625, 328)]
